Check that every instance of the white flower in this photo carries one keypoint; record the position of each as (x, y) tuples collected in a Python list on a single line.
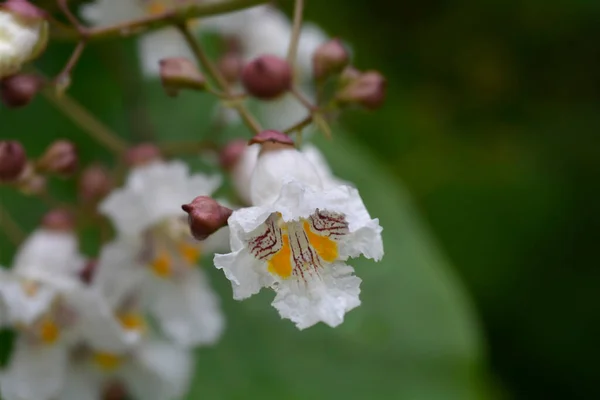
[(296, 240), (266, 30), (156, 248), (154, 370), (52, 311), (241, 173), (21, 40), (153, 46)]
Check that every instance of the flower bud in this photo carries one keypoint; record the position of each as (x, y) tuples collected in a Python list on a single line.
[(94, 183), (367, 90), (30, 182), (18, 90), (59, 220), (179, 73), (24, 35), (86, 275), (60, 158), (142, 154), (206, 216), (330, 58), (267, 77), (13, 160), (231, 153), (271, 136), (230, 65)]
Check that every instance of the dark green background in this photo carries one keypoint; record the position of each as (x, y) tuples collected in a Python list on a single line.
[(491, 124)]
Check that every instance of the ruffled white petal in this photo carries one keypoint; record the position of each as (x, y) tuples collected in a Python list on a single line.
[(187, 309), (317, 159), (19, 41), (247, 274), (21, 306), (325, 298), (81, 383), (276, 167), (154, 192), (34, 372), (242, 172), (47, 253), (161, 371)]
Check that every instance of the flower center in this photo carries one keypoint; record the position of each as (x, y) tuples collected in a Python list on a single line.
[(107, 361), (48, 331), (132, 321), (298, 247)]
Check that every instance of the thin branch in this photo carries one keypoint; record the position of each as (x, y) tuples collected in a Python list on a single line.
[(213, 72), (64, 7), (303, 99), (300, 125), (9, 226), (296, 29), (65, 74), (86, 120)]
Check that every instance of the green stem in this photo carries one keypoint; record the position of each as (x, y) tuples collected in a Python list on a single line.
[(296, 29), (9, 226)]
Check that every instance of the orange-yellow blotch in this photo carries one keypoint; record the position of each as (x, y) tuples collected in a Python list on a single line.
[(190, 253), (324, 246), (132, 321), (107, 361), (161, 265), (281, 262), (156, 8), (49, 331)]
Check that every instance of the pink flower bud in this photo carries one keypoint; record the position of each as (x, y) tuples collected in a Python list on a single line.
[(86, 275), (94, 183), (179, 74), (59, 220), (142, 154), (60, 158), (271, 136), (205, 216), (368, 90), (230, 66), (24, 9), (231, 153), (18, 90), (12, 160), (267, 77), (330, 58)]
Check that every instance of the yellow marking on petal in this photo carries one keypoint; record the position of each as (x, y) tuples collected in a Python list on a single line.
[(49, 331), (107, 361), (281, 262), (161, 265), (156, 8), (324, 246), (30, 288), (190, 253), (132, 321)]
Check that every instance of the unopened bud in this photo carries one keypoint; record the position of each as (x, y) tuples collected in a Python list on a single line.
[(368, 90), (59, 220), (230, 65), (267, 77), (18, 90), (142, 154), (60, 158), (179, 74), (206, 216), (94, 183), (330, 58), (24, 9), (231, 153), (30, 182), (86, 275), (13, 160)]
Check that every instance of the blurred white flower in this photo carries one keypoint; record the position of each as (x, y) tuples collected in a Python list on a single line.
[(153, 46), (266, 30), (296, 240), (155, 247), (51, 310), (22, 38)]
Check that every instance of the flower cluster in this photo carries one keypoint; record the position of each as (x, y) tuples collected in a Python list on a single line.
[(123, 322)]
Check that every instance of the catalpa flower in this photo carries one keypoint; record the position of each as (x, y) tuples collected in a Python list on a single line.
[(154, 240), (51, 311), (297, 238), (153, 46)]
